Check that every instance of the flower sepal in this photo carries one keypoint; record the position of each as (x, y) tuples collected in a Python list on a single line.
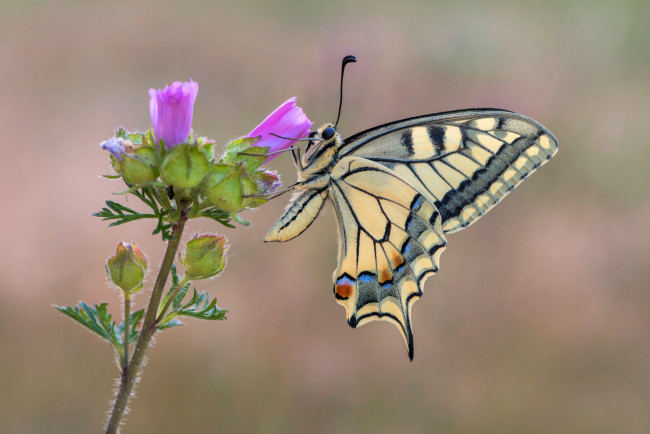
[(139, 167), (252, 158), (185, 166), (223, 187), (207, 147), (237, 146), (127, 268), (205, 256)]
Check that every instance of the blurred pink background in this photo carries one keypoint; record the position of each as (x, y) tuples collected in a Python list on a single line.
[(538, 320)]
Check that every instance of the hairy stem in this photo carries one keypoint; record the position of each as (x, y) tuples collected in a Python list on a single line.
[(130, 373), (127, 314)]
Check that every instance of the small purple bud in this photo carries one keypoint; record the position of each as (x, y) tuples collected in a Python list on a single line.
[(117, 146), (171, 111), (288, 120)]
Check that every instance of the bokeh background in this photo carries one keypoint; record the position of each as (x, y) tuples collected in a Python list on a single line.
[(539, 320)]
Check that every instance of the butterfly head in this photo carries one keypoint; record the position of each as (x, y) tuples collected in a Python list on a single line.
[(323, 147)]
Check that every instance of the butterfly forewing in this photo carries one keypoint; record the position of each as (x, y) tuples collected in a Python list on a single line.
[(465, 162)]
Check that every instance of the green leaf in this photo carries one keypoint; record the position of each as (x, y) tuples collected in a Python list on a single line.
[(201, 307), (95, 318), (236, 146), (170, 324), (120, 214), (217, 215), (175, 277), (176, 302)]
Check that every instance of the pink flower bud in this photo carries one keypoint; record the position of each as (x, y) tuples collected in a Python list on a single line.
[(288, 120), (171, 111)]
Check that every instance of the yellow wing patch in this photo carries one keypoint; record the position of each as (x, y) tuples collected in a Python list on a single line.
[(464, 162)]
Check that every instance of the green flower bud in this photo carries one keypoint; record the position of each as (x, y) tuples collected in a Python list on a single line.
[(185, 166), (141, 168), (205, 256), (223, 187), (127, 268)]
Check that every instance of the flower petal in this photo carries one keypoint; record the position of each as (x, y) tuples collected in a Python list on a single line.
[(288, 120), (171, 110)]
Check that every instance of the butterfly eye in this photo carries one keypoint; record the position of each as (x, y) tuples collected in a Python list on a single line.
[(328, 133)]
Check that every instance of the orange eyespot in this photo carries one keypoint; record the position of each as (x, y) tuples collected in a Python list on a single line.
[(344, 290)]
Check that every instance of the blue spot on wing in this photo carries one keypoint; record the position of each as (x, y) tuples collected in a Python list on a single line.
[(345, 281), (366, 277)]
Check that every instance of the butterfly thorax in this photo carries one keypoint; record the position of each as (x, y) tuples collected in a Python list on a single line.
[(320, 157)]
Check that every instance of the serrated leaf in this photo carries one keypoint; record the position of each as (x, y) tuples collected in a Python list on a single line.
[(95, 318), (201, 307), (175, 277), (119, 214), (218, 215), (170, 324), (181, 295)]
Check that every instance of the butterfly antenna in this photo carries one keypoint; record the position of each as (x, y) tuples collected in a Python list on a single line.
[(292, 138), (347, 59)]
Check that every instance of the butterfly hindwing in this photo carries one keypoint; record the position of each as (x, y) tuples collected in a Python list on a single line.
[(465, 161), (391, 241)]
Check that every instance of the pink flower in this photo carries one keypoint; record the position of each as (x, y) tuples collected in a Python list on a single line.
[(288, 120), (171, 111)]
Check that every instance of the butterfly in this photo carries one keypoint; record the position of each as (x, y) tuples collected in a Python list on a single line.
[(398, 189)]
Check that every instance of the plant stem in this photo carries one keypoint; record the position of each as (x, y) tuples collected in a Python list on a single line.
[(127, 314), (130, 373), (171, 298)]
